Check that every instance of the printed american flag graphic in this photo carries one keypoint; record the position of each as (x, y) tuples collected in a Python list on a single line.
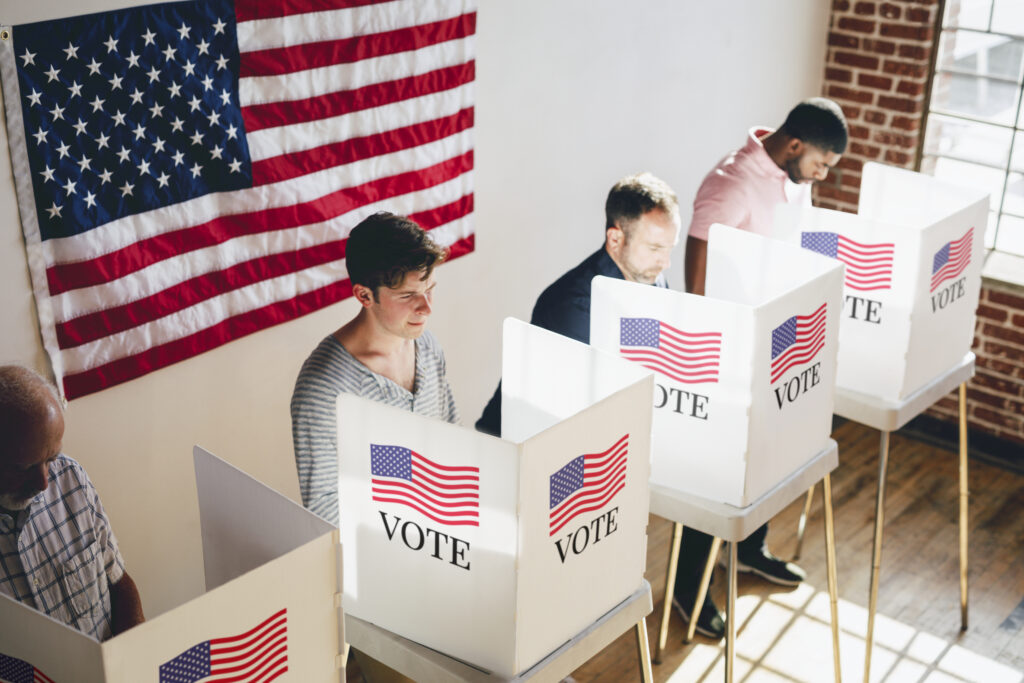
[(797, 341), (952, 259), (187, 173), (587, 483), (686, 357), (14, 670), (446, 494), (868, 266), (259, 655)]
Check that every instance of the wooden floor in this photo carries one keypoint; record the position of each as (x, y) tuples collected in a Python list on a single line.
[(784, 633)]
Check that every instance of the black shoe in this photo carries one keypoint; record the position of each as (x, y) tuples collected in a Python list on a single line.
[(771, 568), (710, 623)]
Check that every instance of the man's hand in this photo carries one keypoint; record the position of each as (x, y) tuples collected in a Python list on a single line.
[(125, 605)]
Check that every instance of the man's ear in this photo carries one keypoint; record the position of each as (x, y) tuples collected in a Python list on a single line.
[(614, 237), (363, 294), (794, 148)]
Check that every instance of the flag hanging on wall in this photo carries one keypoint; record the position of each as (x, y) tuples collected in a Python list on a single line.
[(187, 173)]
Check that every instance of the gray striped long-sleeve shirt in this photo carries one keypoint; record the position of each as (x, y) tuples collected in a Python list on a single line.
[(331, 370)]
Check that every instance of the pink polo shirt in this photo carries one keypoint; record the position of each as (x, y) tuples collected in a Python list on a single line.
[(743, 189)]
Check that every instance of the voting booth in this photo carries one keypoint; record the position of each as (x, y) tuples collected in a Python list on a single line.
[(913, 256), (496, 551), (745, 374), (269, 612)]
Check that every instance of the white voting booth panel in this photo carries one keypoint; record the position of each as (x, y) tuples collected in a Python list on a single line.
[(274, 616), (913, 256), (450, 536), (745, 375)]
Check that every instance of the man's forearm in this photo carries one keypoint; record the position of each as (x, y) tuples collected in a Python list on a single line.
[(696, 264), (125, 605)]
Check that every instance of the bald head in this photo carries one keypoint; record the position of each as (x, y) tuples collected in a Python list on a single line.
[(31, 432)]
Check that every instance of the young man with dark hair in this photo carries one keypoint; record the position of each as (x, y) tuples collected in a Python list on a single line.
[(384, 353), (641, 228), (742, 191), (772, 168)]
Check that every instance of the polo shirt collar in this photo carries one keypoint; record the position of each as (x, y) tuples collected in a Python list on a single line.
[(754, 149)]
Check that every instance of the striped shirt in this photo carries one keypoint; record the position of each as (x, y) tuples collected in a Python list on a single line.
[(60, 555), (331, 370)]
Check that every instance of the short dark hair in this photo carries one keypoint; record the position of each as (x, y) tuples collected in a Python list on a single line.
[(818, 121), (385, 247), (636, 195)]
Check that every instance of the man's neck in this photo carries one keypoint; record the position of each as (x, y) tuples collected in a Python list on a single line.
[(386, 354), (775, 145)]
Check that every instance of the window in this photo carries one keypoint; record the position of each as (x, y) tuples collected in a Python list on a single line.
[(975, 124)]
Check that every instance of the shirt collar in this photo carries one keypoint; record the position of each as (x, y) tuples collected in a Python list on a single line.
[(755, 150)]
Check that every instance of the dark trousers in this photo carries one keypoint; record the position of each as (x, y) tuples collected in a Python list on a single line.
[(693, 555)]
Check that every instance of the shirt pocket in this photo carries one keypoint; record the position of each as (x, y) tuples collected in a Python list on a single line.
[(80, 578)]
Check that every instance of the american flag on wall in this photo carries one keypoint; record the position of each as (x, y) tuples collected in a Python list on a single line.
[(686, 357), (797, 341), (587, 483), (952, 259), (14, 670), (444, 493), (187, 173), (868, 266), (259, 655)]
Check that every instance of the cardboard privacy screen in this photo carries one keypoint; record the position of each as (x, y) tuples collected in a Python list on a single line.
[(745, 374), (268, 614), (913, 256), (497, 551)]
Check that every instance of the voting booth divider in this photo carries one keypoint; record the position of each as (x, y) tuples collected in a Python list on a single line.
[(496, 551), (745, 374), (913, 255), (270, 610)]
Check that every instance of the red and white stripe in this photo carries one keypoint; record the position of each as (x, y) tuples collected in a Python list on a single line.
[(148, 290), (959, 259), (810, 338), (868, 266), (260, 654), (604, 475), (444, 493), (686, 357)]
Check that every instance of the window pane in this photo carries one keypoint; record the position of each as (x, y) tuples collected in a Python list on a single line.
[(968, 14), (1017, 156), (1008, 17), (967, 141), (971, 175), (983, 54), (990, 230), (1014, 201), (1011, 235)]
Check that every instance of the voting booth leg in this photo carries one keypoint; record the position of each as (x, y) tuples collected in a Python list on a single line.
[(730, 615), (803, 524), (830, 560), (963, 506), (670, 589), (702, 589), (643, 653), (876, 551)]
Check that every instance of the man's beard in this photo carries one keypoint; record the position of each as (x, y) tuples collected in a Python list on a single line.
[(14, 503), (793, 170)]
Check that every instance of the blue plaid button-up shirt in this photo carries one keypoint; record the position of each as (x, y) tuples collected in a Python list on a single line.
[(59, 555)]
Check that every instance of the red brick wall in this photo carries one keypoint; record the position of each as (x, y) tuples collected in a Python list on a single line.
[(878, 69)]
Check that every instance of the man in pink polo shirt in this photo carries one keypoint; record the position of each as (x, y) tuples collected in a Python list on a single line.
[(742, 191)]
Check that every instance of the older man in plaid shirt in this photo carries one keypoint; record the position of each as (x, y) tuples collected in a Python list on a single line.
[(57, 551)]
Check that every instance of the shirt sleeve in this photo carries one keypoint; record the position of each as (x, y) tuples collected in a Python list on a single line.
[(315, 439), (451, 413), (719, 200)]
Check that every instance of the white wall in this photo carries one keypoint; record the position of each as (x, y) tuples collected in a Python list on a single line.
[(572, 95)]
